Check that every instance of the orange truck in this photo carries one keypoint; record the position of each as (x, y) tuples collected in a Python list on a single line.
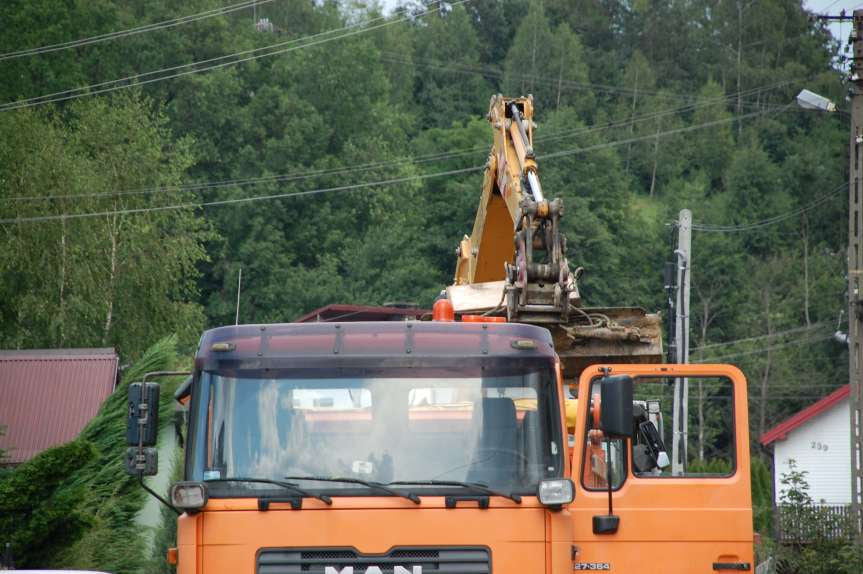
[(444, 447), (456, 445)]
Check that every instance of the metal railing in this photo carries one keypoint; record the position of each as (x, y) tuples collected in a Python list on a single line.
[(810, 523)]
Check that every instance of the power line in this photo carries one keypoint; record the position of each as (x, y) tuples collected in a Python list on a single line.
[(760, 337), (276, 178), (561, 153), (723, 358), (660, 134), (771, 220), (130, 211), (416, 159), (425, 158), (132, 31), (496, 73), (232, 59)]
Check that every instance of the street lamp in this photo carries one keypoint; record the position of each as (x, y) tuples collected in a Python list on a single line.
[(812, 101)]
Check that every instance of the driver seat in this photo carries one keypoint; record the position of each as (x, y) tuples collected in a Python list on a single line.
[(495, 462)]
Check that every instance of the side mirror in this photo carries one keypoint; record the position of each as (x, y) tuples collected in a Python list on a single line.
[(615, 417), (142, 429), (142, 424)]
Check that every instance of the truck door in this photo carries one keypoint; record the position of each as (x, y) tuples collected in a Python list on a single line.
[(686, 515)]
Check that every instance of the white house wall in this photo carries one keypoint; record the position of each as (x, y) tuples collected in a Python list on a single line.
[(822, 447)]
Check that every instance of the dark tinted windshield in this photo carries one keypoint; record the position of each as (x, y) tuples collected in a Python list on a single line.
[(499, 429)]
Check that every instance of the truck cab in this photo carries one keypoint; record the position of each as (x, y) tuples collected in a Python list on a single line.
[(427, 446), (353, 447)]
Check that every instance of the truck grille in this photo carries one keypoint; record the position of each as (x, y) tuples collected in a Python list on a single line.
[(451, 560)]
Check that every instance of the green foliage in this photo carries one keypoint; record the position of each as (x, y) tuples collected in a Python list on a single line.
[(807, 523), (73, 506), (166, 532), (37, 515), (762, 495), (446, 47), (714, 466), (98, 281)]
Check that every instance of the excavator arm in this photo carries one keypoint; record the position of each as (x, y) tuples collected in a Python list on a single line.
[(514, 262), (516, 236)]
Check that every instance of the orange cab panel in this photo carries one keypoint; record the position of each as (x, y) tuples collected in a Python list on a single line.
[(502, 539), (693, 519)]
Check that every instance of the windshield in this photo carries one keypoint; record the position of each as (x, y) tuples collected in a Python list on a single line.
[(499, 429)]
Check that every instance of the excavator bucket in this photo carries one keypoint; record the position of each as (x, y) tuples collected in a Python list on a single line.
[(590, 336), (615, 335)]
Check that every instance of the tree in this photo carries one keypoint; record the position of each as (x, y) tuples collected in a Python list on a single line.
[(569, 71), (525, 70), (113, 279), (711, 148), (641, 81), (449, 86)]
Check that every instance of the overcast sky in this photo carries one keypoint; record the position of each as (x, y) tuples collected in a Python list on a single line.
[(840, 31)]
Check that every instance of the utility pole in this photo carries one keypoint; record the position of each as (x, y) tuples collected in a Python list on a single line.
[(681, 341), (855, 268)]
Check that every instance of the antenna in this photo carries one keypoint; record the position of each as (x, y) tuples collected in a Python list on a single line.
[(239, 288)]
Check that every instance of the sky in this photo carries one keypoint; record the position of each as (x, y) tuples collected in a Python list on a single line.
[(833, 7)]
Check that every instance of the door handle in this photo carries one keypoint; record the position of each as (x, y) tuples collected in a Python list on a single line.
[(741, 566)]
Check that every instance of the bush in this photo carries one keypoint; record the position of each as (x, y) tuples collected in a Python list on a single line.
[(37, 516), (812, 552)]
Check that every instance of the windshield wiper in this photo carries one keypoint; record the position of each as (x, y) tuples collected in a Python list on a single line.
[(471, 485), (367, 483), (286, 485)]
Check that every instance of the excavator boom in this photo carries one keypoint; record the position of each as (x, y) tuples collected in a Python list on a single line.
[(514, 262)]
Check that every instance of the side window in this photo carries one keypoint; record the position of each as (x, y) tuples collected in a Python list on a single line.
[(602, 458), (698, 442), (662, 446)]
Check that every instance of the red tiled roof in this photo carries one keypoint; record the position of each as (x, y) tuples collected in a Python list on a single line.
[(47, 396), (781, 430), (361, 313)]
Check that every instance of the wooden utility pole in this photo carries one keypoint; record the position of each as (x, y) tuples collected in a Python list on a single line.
[(855, 267), (681, 342)]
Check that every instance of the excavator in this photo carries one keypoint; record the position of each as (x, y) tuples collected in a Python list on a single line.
[(517, 431), (514, 262)]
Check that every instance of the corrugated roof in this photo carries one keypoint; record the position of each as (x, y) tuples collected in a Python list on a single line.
[(48, 395), (352, 313), (781, 430)]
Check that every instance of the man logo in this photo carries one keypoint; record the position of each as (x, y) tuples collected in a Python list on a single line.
[(374, 570)]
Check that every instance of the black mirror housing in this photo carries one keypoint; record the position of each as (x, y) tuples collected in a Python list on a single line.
[(615, 419), (142, 463), (142, 425)]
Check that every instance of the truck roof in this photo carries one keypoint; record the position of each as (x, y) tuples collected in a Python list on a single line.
[(407, 339)]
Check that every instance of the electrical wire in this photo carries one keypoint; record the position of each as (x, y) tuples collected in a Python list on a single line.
[(276, 178), (760, 337), (238, 200), (232, 59), (572, 84), (132, 31), (659, 134), (723, 358), (56, 217), (771, 220)]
